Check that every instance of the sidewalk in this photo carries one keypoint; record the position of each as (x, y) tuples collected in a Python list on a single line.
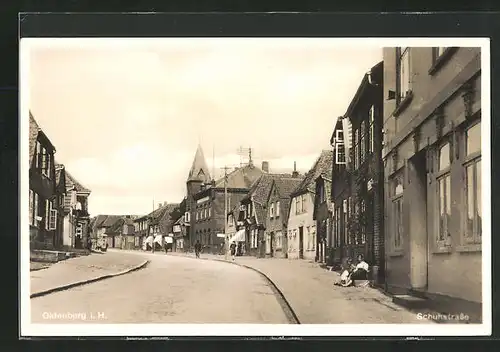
[(82, 268), (312, 295)]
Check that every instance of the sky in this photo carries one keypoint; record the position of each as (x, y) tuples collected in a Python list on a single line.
[(126, 117)]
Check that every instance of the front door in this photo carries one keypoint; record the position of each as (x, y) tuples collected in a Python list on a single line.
[(271, 244), (417, 192), (301, 242)]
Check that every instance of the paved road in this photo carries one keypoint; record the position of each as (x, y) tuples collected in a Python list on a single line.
[(169, 290)]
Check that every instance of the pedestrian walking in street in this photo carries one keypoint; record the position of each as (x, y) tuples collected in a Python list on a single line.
[(233, 250), (197, 248)]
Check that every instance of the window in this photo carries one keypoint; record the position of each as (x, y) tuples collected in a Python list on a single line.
[(340, 158), (346, 221), (52, 218), (362, 141), (313, 237), (38, 156), (47, 214), (197, 215), (253, 211), (371, 119), (308, 236), (298, 206), (304, 204), (32, 199), (271, 211), (356, 148), (444, 194), (362, 228), (279, 239), (277, 209), (437, 53), (187, 216), (403, 70), (473, 226), (209, 211), (397, 203)]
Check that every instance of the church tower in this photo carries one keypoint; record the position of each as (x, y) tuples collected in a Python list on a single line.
[(198, 175)]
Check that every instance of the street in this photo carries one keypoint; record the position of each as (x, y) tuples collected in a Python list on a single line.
[(170, 289)]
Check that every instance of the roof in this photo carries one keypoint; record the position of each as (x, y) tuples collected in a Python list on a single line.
[(259, 193), (242, 177), (159, 213), (110, 220), (59, 172), (72, 182), (362, 87), (199, 169), (286, 185), (117, 226), (322, 165)]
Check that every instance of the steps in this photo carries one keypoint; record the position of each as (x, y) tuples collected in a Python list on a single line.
[(410, 302)]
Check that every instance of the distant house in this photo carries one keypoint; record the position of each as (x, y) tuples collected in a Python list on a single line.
[(101, 225), (322, 214), (128, 233), (76, 215), (278, 205), (253, 213), (42, 189), (179, 226), (302, 232), (114, 233), (141, 227)]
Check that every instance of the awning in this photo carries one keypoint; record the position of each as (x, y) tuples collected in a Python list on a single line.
[(238, 236)]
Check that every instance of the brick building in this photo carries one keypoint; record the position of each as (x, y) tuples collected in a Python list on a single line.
[(358, 179), (432, 156), (205, 201), (323, 215)]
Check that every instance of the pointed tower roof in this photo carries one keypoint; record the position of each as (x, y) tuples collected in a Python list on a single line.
[(199, 169)]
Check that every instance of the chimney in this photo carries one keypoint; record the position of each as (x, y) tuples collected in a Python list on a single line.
[(159, 205), (295, 172), (265, 166), (164, 203)]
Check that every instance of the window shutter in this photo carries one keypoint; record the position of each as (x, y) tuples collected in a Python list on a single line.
[(31, 207)]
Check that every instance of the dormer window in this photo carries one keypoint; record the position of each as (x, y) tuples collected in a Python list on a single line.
[(271, 211)]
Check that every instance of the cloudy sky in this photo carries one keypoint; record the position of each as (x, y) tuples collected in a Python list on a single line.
[(126, 116)]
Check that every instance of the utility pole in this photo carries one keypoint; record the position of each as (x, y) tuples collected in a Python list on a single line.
[(225, 212)]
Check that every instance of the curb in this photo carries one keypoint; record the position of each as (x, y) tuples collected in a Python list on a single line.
[(88, 281), (283, 302)]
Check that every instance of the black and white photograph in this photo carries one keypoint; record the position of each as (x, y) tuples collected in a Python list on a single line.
[(255, 186)]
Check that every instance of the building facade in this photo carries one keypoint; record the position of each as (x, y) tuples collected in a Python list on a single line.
[(206, 200), (278, 205), (358, 180), (43, 192), (323, 215), (432, 156), (76, 221), (302, 232)]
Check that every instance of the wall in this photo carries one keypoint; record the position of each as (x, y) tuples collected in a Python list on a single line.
[(275, 228), (67, 231), (454, 270), (305, 220)]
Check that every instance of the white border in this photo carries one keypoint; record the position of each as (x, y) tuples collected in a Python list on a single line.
[(29, 329)]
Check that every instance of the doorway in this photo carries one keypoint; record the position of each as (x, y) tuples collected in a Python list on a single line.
[(301, 242), (418, 236)]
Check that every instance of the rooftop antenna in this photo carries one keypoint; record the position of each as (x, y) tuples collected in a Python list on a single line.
[(245, 151)]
